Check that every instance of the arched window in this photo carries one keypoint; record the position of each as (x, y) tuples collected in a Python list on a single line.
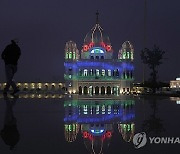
[(67, 56), (91, 72), (70, 55), (97, 90), (80, 72), (108, 90), (102, 57), (103, 72), (92, 57), (117, 72), (85, 90), (102, 90), (97, 57), (85, 72), (80, 90), (97, 72), (109, 72)]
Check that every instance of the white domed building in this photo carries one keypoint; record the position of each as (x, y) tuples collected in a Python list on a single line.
[(94, 71)]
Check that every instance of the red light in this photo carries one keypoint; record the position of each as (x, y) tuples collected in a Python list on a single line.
[(90, 137), (108, 47), (108, 134), (85, 47), (85, 134), (91, 45), (103, 45)]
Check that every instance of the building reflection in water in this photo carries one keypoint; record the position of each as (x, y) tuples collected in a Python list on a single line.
[(96, 120), (9, 133)]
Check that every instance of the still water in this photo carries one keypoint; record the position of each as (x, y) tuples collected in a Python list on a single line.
[(53, 124)]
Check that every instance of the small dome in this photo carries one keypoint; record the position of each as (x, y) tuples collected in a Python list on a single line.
[(128, 46), (71, 51), (126, 51)]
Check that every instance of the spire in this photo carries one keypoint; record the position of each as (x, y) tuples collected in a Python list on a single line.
[(97, 17)]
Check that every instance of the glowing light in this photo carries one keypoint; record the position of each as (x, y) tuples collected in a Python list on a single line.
[(108, 134), (97, 50), (85, 47), (91, 45), (108, 48), (85, 134), (178, 79), (97, 131)]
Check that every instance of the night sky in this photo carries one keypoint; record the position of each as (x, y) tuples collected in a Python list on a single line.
[(43, 27)]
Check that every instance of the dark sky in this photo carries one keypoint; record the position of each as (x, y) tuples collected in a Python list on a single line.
[(43, 27)]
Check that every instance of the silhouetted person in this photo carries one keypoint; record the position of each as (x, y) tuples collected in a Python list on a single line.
[(9, 133), (11, 56)]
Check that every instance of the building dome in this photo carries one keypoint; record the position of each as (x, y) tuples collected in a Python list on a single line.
[(96, 36), (126, 51), (71, 51)]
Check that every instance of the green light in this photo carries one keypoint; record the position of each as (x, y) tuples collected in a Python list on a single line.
[(124, 55), (128, 56), (74, 55), (132, 56), (70, 55), (66, 55)]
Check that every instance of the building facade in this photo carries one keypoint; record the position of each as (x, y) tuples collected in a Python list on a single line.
[(94, 70), (175, 84)]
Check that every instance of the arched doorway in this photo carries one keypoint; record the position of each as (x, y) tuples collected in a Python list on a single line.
[(102, 90), (97, 90), (80, 90), (85, 90), (108, 90)]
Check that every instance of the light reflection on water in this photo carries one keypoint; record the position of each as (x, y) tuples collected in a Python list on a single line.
[(56, 124)]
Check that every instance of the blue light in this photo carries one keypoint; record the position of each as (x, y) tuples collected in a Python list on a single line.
[(97, 131), (103, 118), (97, 50), (101, 65)]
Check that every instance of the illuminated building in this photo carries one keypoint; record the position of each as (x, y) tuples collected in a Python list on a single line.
[(94, 70), (96, 120), (175, 84)]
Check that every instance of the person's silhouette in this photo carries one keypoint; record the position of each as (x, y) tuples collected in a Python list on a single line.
[(11, 55), (9, 133)]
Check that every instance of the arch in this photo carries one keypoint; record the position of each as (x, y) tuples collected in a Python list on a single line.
[(97, 90), (92, 57), (80, 90), (85, 90), (97, 57), (108, 90), (102, 90), (102, 57)]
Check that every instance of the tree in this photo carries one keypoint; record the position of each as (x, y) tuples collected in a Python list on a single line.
[(153, 58)]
